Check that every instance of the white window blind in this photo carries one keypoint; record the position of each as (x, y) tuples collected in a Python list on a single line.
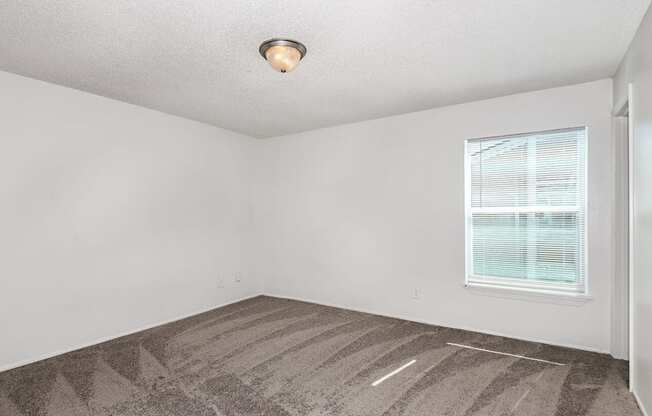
[(525, 210)]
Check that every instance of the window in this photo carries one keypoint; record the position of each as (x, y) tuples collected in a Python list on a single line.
[(525, 211)]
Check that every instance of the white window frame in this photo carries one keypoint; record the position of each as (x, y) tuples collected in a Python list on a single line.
[(518, 285)]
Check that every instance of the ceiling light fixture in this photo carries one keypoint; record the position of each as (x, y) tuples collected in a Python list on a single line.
[(282, 54)]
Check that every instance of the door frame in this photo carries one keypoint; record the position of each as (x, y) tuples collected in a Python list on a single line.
[(626, 110), (633, 246)]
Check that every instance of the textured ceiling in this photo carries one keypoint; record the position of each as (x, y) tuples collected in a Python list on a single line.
[(366, 58)]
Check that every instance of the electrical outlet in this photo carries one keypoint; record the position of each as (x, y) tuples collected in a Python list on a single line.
[(416, 294), (237, 277)]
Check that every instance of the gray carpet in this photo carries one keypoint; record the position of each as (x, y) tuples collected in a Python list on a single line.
[(276, 357)]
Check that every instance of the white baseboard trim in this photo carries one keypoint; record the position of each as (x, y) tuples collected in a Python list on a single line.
[(464, 328), (7, 367), (640, 404), (373, 312)]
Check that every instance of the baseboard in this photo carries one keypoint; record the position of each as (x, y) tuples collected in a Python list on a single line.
[(640, 404), (373, 312), (412, 319), (109, 338)]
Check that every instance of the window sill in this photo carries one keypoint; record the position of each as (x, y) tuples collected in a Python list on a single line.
[(527, 294)]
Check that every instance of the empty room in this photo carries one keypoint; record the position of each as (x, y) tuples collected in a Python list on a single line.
[(326, 208)]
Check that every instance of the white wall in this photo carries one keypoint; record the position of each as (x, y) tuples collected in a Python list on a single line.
[(115, 217), (636, 68), (362, 214), (112, 218)]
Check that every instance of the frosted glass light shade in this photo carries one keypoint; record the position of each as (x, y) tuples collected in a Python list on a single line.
[(282, 54), (283, 58)]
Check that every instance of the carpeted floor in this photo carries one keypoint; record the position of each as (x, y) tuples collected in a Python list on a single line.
[(276, 357)]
